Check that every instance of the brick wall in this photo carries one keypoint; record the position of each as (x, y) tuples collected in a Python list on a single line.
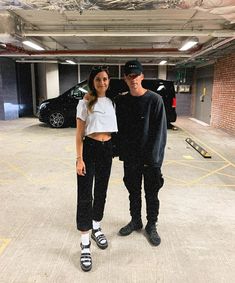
[(223, 95)]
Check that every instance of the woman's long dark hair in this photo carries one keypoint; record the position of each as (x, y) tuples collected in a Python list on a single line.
[(93, 94)]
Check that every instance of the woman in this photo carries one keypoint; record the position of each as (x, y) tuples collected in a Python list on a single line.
[(96, 120)]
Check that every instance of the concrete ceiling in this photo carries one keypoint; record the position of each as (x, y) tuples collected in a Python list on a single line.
[(109, 31)]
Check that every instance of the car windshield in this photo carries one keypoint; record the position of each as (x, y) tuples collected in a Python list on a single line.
[(79, 91)]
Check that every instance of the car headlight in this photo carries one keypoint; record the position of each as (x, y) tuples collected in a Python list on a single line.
[(43, 105)]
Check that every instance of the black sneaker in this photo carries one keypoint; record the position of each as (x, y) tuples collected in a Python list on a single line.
[(130, 227), (152, 234)]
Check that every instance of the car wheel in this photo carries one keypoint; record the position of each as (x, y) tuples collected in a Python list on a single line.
[(57, 120)]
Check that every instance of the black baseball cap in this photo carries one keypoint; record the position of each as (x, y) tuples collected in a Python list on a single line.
[(133, 67)]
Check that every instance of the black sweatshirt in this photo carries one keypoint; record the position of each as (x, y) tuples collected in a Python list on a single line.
[(142, 128)]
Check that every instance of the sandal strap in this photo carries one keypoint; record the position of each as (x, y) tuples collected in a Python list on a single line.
[(96, 230), (85, 255), (101, 238), (85, 258), (85, 246)]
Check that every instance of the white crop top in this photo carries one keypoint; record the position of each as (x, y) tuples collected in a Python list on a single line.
[(101, 119)]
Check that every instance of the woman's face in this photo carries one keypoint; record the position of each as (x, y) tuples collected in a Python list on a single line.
[(101, 82)]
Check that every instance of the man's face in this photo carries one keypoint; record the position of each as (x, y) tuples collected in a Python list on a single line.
[(134, 80)]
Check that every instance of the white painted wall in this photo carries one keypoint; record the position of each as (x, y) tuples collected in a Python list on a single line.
[(52, 80), (41, 86), (162, 72)]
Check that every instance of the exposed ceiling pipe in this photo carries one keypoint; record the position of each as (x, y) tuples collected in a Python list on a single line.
[(170, 52), (108, 51), (212, 47), (141, 33), (166, 55), (13, 49)]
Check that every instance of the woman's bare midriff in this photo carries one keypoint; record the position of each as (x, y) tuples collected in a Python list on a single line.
[(100, 136)]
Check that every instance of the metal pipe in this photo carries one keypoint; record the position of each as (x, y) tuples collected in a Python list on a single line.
[(140, 33), (212, 47)]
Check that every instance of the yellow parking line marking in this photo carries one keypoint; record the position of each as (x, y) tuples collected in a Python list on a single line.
[(182, 182), (69, 148), (205, 185), (226, 175), (197, 161), (209, 174), (193, 166), (167, 162), (18, 170), (189, 157), (115, 181), (3, 244)]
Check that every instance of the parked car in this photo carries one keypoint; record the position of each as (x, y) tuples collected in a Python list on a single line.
[(60, 112)]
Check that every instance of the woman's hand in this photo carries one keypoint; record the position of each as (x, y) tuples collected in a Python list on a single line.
[(81, 168), (87, 96)]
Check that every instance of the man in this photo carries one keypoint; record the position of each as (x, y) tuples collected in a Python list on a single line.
[(142, 130)]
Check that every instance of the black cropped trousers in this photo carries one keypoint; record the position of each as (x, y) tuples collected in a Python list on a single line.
[(91, 198), (134, 173)]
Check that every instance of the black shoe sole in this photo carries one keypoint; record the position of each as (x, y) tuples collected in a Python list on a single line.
[(102, 247), (86, 268), (149, 240), (127, 234)]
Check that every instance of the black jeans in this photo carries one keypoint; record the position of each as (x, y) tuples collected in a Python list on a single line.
[(153, 181), (97, 157)]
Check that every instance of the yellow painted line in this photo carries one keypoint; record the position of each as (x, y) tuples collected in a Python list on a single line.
[(69, 148), (176, 180), (203, 169), (189, 157), (167, 162), (170, 181), (197, 161), (3, 244), (227, 175), (71, 161), (204, 185), (207, 175), (18, 170), (193, 166), (216, 185), (6, 182), (115, 181)]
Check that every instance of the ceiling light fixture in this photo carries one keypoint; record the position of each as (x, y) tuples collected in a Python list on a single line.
[(70, 62), (189, 44), (3, 45), (33, 45), (163, 62)]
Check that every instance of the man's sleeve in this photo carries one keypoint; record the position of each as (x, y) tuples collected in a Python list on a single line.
[(157, 135)]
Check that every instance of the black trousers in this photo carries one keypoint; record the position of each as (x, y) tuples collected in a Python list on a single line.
[(97, 157), (134, 172)]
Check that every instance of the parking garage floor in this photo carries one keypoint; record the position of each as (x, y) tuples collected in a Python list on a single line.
[(38, 237)]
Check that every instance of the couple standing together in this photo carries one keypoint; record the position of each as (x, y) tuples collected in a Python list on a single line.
[(140, 122)]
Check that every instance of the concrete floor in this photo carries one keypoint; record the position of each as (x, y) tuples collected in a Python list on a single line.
[(38, 237)]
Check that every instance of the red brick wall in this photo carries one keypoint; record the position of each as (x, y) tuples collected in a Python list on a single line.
[(223, 95)]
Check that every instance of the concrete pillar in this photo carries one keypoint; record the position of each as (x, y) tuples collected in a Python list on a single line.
[(48, 81), (162, 72), (52, 80), (9, 108)]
